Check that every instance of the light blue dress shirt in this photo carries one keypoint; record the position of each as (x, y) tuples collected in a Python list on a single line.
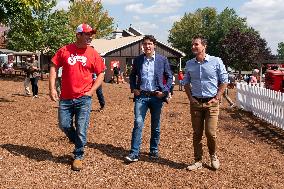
[(204, 77), (147, 75)]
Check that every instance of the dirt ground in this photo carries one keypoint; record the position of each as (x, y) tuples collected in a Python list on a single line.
[(34, 153)]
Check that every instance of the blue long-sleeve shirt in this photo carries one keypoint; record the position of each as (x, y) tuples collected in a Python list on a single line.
[(147, 74), (205, 77)]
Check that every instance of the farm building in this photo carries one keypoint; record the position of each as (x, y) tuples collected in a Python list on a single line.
[(124, 46)]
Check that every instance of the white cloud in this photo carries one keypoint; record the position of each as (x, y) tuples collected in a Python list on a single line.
[(159, 7), (267, 17), (145, 27), (136, 18), (117, 2), (171, 19)]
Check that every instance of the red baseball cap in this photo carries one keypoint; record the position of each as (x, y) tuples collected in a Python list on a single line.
[(85, 28)]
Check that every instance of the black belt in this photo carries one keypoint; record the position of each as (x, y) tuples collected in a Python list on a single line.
[(148, 93), (203, 100)]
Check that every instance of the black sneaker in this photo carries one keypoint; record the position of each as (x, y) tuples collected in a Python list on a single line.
[(101, 109), (131, 158), (154, 155)]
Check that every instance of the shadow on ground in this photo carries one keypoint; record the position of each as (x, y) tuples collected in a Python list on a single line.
[(36, 153), (253, 125), (120, 153), (6, 100), (15, 78)]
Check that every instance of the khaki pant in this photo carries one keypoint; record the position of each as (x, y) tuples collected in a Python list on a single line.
[(204, 115)]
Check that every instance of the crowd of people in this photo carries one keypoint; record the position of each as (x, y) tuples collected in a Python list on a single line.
[(77, 72), (151, 82)]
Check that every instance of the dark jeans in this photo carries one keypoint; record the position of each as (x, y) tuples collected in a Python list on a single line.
[(100, 96), (34, 82), (172, 90)]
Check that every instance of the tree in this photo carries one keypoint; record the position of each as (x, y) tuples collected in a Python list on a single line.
[(29, 30), (280, 50), (38, 28), (10, 9), (59, 31), (243, 50), (86, 11), (209, 24), (190, 24)]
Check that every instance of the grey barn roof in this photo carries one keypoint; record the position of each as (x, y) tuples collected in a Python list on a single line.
[(104, 46)]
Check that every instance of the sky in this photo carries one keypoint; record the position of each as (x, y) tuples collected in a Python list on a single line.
[(156, 17)]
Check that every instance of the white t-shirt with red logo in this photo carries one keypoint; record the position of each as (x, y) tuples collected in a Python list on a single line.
[(78, 66)]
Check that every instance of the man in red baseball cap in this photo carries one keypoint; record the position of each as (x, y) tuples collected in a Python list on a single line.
[(79, 62), (85, 28)]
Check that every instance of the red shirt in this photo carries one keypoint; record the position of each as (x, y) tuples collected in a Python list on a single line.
[(180, 76), (78, 66)]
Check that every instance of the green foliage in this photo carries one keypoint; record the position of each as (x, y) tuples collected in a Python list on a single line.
[(243, 50), (28, 30), (280, 50), (12, 9), (59, 31), (208, 23), (33, 25), (92, 13)]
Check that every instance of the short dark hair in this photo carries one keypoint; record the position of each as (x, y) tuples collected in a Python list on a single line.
[(149, 37), (202, 39)]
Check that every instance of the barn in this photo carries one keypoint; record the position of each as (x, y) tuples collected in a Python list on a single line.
[(124, 46)]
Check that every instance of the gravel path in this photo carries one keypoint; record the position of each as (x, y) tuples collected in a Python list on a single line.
[(35, 154)]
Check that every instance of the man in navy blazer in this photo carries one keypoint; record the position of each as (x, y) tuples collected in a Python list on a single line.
[(150, 81)]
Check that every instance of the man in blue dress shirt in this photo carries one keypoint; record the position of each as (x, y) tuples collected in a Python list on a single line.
[(149, 71), (205, 80)]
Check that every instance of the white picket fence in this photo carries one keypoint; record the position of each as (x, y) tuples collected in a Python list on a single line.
[(263, 103)]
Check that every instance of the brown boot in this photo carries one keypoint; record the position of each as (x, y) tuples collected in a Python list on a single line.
[(77, 165)]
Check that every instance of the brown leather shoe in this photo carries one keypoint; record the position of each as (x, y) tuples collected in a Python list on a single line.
[(77, 165)]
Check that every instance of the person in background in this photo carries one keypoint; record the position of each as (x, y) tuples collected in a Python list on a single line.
[(100, 95), (121, 77), (79, 61), (8, 68), (205, 80), (27, 78), (253, 79), (58, 81), (116, 75), (146, 82), (34, 76), (180, 79), (231, 85), (101, 98), (172, 87)]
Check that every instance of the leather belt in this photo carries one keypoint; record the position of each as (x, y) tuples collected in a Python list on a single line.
[(148, 93), (203, 100)]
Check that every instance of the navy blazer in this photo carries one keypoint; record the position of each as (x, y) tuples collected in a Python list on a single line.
[(161, 71)]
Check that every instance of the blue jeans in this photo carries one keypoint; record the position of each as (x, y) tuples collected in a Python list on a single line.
[(100, 96), (142, 104), (80, 108)]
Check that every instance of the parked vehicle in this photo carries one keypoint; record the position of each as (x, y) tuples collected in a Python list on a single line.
[(3, 59), (274, 78)]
